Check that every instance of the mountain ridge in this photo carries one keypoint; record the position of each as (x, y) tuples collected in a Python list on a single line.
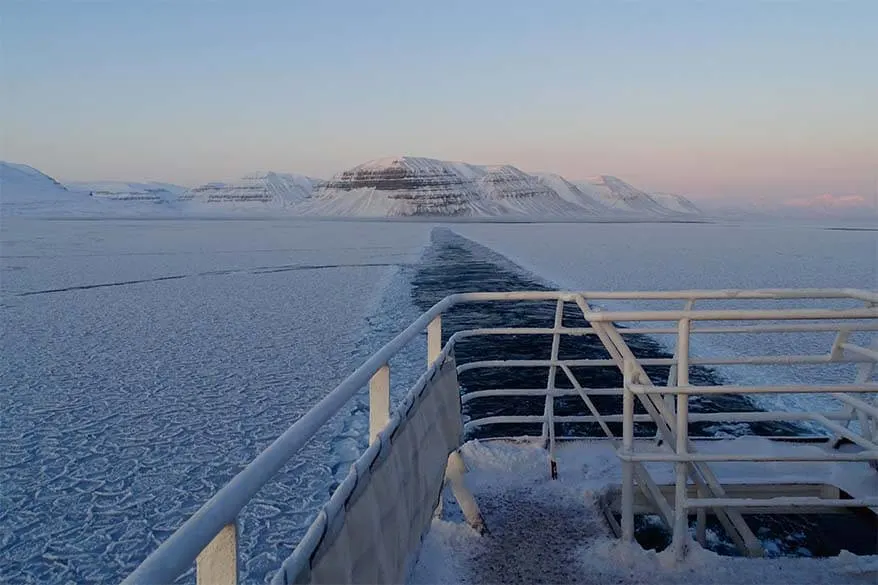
[(413, 186), (401, 186), (268, 189)]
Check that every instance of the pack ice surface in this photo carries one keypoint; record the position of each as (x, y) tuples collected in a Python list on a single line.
[(146, 361)]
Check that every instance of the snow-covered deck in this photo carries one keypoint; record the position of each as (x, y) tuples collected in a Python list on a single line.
[(553, 531)]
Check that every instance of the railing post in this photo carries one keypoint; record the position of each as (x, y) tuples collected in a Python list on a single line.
[(434, 340), (864, 372), (379, 401), (681, 521), (217, 564), (454, 472), (701, 521), (672, 372), (434, 348), (627, 448), (837, 351), (549, 409)]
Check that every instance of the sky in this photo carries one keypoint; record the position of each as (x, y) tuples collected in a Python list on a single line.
[(715, 100)]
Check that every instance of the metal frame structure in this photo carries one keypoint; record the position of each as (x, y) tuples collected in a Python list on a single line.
[(209, 537)]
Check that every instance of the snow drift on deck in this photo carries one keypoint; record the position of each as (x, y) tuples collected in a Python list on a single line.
[(545, 531)]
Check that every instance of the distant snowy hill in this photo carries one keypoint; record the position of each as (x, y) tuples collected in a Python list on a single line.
[(571, 193), (410, 186), (254, 191), (25, 190), (522, 194), (850, 208), (619, 196), (832, 206), (402, 186), (676, 203), (150, 192), (390, 187)]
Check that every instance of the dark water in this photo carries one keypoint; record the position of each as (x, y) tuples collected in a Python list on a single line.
[(797, 535), (455, 264)]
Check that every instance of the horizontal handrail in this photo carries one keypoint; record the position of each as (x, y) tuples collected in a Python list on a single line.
[(705, 417), (693, 294), (579, 331), (780, 389), (746, 457), (724, 416), (786, 360), (790, 501), (733, 315), (557, 392)]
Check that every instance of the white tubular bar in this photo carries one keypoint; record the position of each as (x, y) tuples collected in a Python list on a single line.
[(787, 389), (845, 432), (863, 351), (701, 520), (856, 407), (467, 333), (579, 331), (801, 501), (627, 446), (469, 396), (857, 404), (786, 360), (588, 403), (731, 416), (748, 457), (755, 416), (549, 425), (672, 371), (696, 294), (681, 525), (732, 315)]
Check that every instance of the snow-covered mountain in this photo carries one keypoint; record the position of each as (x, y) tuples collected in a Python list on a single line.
[(256, 190), (570, 192), (150, 192), (522, 194), (619, 196), (409, 186), (402, 186), (676, 203), (25, 190), (390, 187)]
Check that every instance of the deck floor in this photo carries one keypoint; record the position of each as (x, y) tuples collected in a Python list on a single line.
[(544, 531)]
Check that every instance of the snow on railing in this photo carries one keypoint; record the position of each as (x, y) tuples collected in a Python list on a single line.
[(209, 537)]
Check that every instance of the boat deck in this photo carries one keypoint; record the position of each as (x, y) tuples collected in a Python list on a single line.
[(553, 531), (379, 524)]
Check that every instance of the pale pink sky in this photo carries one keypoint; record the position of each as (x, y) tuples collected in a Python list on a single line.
[(714, 100)]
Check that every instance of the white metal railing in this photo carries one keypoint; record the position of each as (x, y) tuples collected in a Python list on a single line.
[(209, 538)]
